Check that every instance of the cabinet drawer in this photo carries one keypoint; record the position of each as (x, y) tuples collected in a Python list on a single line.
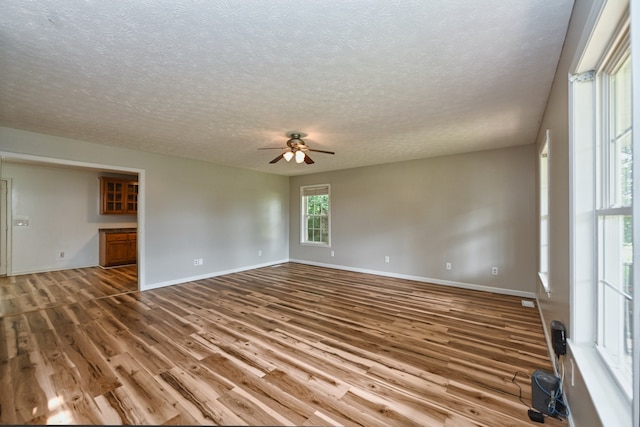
[(114, 237)]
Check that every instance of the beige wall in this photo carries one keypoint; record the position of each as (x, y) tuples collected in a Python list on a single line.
[(191, 209), (474, 210)]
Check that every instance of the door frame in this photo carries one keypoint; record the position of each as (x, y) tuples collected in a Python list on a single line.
[(5, 226)]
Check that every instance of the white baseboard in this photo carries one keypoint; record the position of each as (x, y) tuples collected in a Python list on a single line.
[(463, 285), (210, 275), (46, 270)]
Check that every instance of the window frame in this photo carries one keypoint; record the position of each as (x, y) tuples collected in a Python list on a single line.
[(613, 402), (609, 206), (543, 212), (304, 215)]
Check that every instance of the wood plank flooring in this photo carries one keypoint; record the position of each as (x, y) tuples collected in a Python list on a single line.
[(282, 345), (29, 292)]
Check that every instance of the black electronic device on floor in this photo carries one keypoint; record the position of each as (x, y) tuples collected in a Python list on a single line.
[(546, 394)]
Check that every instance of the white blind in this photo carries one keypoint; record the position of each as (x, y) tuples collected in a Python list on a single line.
[(316, 190)]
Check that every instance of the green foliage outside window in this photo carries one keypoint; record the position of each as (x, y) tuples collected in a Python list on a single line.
[(317, 210)]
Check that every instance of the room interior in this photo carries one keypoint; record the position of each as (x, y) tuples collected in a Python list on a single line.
[(424, 176)]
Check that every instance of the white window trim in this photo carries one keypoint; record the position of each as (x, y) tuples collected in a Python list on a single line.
[(302, 217), (612, 403), (543, 253)]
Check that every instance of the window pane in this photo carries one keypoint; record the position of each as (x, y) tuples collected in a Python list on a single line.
[(316, 214), (616, 329), (610, 322), (620, 171), (621, 98), (615, 271), (628, 334), (615, 251), (620, 155), (323, 202)]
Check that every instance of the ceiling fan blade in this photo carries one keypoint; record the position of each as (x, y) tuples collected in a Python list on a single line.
[(277, 158), (321, 151), (273, 148), (308, 160)]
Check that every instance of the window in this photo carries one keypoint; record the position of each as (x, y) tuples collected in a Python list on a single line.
[(543, 207), (602, 209), (603, 228), (315, 215), (614, 218)]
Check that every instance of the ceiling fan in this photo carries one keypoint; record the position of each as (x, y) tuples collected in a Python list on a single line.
[(297, 148)]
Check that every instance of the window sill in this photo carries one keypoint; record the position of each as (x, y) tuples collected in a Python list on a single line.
[(544, 280), (610, 401), (318, 245)]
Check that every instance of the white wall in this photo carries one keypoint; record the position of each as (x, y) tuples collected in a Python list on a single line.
[(192, 209), (474, 210), (62, 206)]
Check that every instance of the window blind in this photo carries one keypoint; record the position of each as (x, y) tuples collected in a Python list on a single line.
[(319, 190)]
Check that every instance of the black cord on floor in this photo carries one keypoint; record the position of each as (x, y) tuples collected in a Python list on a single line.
[(513, 380)]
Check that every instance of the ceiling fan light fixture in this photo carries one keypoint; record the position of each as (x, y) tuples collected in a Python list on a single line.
[(288, 155), (299, 156)]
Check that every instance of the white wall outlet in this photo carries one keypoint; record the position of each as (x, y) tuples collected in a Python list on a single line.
[(195, 261), (333, 253), (200, 261), (448, 266), (21, 222), (386, 259), (259, 252), (494, 271), (60, 254)]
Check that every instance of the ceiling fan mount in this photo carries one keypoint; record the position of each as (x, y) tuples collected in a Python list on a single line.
[(296, 147)]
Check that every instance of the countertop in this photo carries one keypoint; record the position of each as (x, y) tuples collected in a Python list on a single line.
[(117, 230)]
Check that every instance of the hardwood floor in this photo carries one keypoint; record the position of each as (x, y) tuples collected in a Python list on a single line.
[(282, 345), (28, 292)]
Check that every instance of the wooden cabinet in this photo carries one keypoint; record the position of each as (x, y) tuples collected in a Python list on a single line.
[(118, 196), (118, 246)]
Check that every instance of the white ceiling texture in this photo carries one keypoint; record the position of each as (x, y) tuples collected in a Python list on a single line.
[(376, 81)]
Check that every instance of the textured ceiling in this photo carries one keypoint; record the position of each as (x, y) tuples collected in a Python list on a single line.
[(375, 81)]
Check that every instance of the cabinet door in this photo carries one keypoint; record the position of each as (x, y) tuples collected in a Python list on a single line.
[(132, 197), (132, 249), (118, 196), (112, 196), (117, 249)]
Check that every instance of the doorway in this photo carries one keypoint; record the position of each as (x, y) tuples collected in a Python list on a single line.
[(6, 255)]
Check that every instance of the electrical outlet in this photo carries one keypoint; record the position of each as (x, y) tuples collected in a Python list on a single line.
[(386, 259), (448, 266), (195, 262), (200, 261), (333, 253), (494, 271), (259, 252), (60, 255)]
